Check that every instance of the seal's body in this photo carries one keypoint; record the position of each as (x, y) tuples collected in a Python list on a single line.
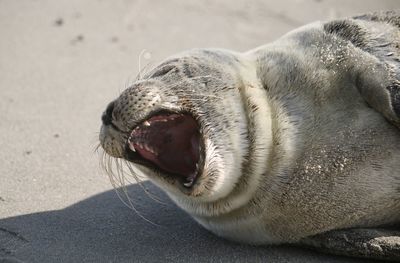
[(292, 139)]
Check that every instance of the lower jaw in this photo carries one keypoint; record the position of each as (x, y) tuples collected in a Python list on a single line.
[(168, 183)]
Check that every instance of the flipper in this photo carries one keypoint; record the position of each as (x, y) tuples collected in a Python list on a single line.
[(382, 244), (375, 41)]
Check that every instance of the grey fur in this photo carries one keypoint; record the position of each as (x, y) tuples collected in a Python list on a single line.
[(317, 112)]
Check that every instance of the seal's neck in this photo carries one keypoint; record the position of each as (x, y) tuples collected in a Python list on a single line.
[(259, 121)]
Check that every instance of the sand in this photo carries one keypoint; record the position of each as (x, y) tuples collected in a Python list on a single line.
[(61, 62)]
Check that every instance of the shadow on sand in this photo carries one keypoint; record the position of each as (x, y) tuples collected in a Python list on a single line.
[(102, 229)]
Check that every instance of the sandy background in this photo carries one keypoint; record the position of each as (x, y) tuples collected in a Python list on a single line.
[(61, 62)]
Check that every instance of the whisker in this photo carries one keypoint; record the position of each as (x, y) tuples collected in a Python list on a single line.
[(140, 63), (118, 178), (186, 79), (142, 70), (149, 194), (129, 202), (96, 148)]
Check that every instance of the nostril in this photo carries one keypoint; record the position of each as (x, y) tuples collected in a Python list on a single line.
[(106, 118)]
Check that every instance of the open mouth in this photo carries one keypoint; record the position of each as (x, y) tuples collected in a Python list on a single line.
[(170, 143)]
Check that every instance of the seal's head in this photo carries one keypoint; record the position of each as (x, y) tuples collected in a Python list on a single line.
[(183, 125)]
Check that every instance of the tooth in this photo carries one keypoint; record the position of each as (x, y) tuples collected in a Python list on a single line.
[(146, 123), (132, 147), (189, 183), (190, 180), (147, 148)]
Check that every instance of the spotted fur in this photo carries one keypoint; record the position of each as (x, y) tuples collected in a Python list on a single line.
[(301, 136)]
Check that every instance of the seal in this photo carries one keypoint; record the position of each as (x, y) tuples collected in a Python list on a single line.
[(295, 139)]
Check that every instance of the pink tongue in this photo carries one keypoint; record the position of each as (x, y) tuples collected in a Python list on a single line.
[(170, 141)]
